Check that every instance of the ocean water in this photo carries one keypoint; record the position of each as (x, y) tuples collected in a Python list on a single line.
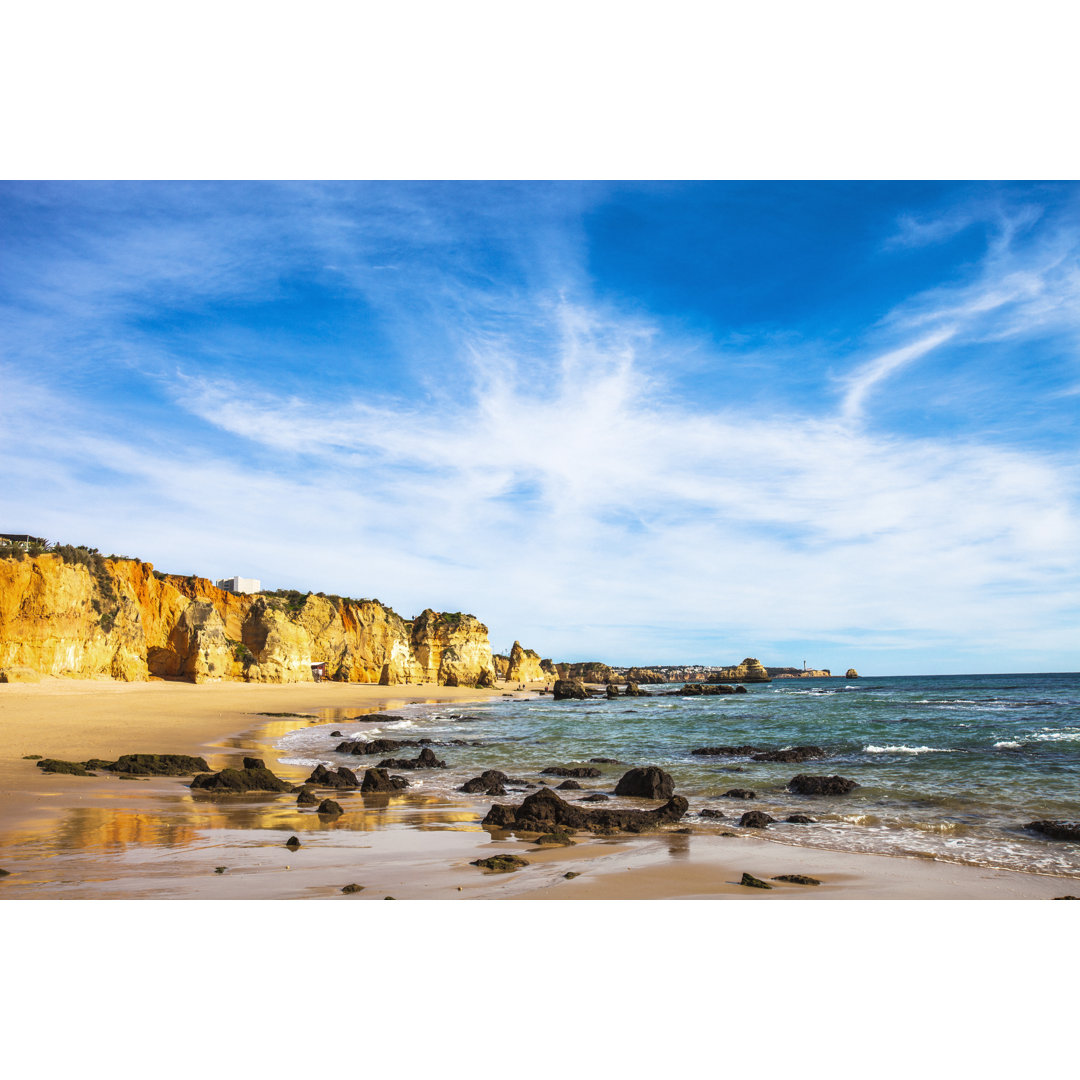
[(949, 767)]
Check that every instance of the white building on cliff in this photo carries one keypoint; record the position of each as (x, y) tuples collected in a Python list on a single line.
[(240, 584)]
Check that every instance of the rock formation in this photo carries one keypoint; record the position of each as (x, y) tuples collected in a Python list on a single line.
[(570, 689), (524, 666), (545, 812), (644, 675), (750, 670), (851, 673), (804, 784), (592, 671), (650, 782), (76, 612)]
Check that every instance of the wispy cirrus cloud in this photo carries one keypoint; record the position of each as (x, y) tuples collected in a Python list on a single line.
[(544, 464)]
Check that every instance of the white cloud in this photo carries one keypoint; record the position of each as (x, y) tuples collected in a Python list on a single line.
[(562, 508)]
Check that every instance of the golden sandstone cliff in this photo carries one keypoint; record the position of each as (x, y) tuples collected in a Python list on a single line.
[(86, 615), (524, 666)]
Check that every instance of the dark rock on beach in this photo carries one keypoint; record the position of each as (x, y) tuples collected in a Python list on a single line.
[(650, 782), (329, 808), (820, 785), (709, 812), (799, 819), (560, 837), (612, 691), (425, 760), (797, 879), (501, 864), (321, 776), (739, 793), (598, 796), (353, 888), (292, 843), (373, 746), (575, 772), (307, 797), (752, 882), (570, 690), (606, 761), (379, 781), (1057, 830), (794, 755), (255, 776), (545, 811), (489, 782), (633, 690), (162, 765), (568, 785), (755, 819), (54, 765), (335, 734)]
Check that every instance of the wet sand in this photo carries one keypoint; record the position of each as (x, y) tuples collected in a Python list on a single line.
[(97, 838)]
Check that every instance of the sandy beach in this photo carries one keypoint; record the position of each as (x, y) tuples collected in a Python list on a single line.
[(77, 837)]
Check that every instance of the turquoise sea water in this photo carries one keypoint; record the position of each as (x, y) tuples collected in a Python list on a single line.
[(949, 767)]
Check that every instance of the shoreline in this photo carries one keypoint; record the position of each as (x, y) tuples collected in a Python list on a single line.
[(110, 833)]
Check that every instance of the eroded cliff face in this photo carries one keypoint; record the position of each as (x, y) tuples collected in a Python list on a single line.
[(524, 666), (118, 618), (452, 649)]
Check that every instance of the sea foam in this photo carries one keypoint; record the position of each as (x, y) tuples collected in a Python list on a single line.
[(906, 750)]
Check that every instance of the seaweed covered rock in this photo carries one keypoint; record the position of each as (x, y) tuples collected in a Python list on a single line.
[(160, 765), (1057, 830), (253, 777), (378, 781), (501, 864), (489, 782), (55, 765), (793, 755), (821, 785), (739, 793), (799, 819), (321, 776), (709, 813), (560, 837), (544, 811), (426, 759), (797, 879), (574, 772), (755, 819), (352, 888), (752, 882), (649, 782), (570, 690)]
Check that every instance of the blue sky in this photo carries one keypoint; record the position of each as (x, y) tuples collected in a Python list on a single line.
[(649, 422)]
